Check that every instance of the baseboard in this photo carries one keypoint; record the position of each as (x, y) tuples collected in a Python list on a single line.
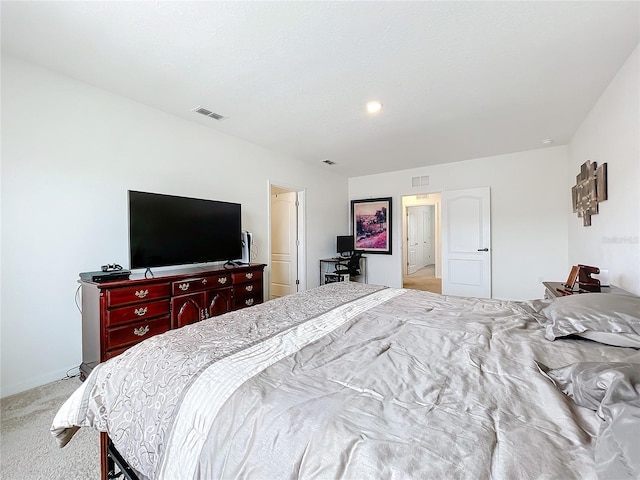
[(12, 389)]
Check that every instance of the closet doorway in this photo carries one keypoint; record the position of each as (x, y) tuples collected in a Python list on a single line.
[(286, 227), (421, 269)]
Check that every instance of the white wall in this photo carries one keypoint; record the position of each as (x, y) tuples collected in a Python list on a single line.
[(611, 134), (70, 152), (529, 201)]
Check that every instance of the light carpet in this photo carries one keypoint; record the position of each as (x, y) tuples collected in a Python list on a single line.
[(27, 449), (424, 279)]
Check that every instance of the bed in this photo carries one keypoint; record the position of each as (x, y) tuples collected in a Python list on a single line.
[(358, 381)]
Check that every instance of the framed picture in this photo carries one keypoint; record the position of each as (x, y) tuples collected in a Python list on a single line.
[(573, 276), (371, 221)]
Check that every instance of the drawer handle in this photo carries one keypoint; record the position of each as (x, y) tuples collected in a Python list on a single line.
[(248, 301), (249, 276), (184, 287), (249, 288), (222, 280), (142, 311), (141, 331), (141, 293)]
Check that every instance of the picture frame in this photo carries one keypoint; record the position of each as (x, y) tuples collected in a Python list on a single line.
[(372, 228), (590, 189), (573, 276)]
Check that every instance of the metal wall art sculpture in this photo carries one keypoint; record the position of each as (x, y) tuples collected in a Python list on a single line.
[(589, 190)]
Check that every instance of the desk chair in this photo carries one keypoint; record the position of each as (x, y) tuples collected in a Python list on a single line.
[(352, 267)]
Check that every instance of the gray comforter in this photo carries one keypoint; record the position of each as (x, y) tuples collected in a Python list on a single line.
[(347, 381)]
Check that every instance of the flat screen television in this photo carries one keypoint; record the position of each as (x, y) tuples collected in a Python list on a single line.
[(345, 245), (166, 230)]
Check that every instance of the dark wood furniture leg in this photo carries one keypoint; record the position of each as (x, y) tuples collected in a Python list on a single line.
[(110, 458), (106, 464)]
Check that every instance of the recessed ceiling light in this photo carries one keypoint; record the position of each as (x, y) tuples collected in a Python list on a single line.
[(547, 141), (374, 106)]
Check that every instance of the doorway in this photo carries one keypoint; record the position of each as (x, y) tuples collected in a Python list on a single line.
[(461, 238), (421, 269), (286, 227)]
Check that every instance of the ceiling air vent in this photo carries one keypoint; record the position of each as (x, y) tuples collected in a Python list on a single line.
[(422, 181), (208, 113)]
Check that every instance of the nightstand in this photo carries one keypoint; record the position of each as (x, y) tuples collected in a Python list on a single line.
[(557, 289)]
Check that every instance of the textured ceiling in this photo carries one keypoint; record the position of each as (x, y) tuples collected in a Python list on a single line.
[(458, 80)]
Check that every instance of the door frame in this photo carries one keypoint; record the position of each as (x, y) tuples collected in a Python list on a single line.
[(301, 229), (414, 200)]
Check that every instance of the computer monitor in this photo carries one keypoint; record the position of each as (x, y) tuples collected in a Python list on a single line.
[(344, 245)]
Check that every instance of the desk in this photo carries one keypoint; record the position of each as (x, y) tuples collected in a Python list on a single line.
[(553, 290), (328, 267)]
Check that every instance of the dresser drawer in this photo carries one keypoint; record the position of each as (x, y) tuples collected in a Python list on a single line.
[(135, 332), (244, 302), (243, 277), (197, 284), (124, 296), (242, 289), (116, 352), (137, 312)]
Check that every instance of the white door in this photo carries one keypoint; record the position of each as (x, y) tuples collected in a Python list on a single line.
[(412, 240), (428, 237), (284, 244), (466, 242)]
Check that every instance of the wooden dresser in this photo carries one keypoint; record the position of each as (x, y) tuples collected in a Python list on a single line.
[(119, 314)]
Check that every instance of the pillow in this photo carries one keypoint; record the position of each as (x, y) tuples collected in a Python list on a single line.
[(613, 390), (603, 317), (616, 339)]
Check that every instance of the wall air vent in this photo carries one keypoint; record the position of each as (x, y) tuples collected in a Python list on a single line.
[(208, 113), (422, 181), (328, 162)]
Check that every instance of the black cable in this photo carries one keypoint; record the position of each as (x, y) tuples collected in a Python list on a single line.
[(76, 299), (67, 376)]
